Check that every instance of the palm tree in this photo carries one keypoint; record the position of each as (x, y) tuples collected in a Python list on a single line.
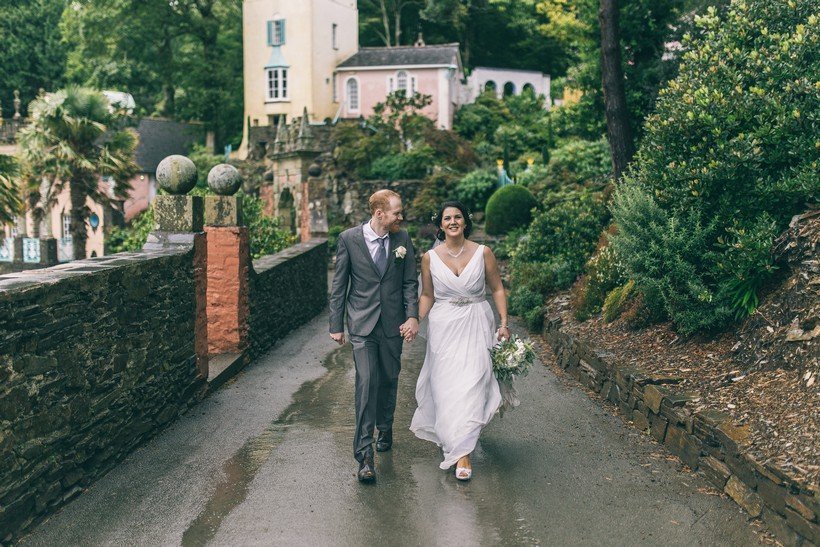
[(9, 198), (74, 138)]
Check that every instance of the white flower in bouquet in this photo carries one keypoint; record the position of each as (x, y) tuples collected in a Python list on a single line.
[(511, 358)]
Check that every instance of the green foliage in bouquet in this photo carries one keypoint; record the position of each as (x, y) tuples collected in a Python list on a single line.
[(508, 208), (730, 154), (512, 357)]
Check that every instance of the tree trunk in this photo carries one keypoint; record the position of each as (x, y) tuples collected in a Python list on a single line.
[(397, 23), (618, 130), (79, 235), (386, 23)]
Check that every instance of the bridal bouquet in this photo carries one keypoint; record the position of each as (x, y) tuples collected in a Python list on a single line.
[(511, 358)]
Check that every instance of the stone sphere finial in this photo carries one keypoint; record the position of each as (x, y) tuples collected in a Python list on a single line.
[(314, 170), (176, 174), (224, 179)]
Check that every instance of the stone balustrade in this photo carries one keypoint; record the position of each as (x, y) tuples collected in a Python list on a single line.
[(98, 355)]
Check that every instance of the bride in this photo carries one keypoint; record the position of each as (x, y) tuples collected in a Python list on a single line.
[(457, 394)]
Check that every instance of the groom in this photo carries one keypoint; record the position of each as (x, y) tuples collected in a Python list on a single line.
[(376, 283)]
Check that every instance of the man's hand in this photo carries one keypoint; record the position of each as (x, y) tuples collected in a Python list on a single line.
[(338, 337), (410, 329)]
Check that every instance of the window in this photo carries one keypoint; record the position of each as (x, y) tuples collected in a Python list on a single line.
[(277, 83), (509, 89), (276, 32), (66, 227), (413, 87), (352, 94), (334, 30), (490, 86), (335, 91), (401, 80)]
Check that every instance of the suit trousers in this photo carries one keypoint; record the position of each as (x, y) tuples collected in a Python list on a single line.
[(377, 358)]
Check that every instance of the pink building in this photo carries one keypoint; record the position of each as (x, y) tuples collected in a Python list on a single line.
[(367, 77)]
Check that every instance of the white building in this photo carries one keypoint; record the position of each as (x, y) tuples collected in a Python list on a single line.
[(506, 81)]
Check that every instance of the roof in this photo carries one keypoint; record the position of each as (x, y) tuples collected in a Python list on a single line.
[(160, 138), (373, 57)]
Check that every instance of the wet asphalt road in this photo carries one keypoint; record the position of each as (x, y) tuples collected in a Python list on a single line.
[(267, 461)]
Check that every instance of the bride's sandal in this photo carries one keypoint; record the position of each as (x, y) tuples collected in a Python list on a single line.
[(464, 473)]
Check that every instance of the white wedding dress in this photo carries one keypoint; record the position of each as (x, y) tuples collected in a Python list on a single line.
[(457, 393)]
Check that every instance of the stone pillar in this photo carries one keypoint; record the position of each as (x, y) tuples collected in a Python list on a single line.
[(178, 224), (229, 262), (317, 196)]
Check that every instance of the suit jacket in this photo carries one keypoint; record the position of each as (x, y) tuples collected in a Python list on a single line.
[(359, 290)]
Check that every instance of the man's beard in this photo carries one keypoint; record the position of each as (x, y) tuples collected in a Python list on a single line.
[(395, 227)]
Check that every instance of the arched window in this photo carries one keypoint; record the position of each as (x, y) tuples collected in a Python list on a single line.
[(509, 89), (401, 80), (528, 88), (352, 93), (490, 86)]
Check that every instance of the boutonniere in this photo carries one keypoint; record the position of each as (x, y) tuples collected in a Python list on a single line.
[(399, 253)]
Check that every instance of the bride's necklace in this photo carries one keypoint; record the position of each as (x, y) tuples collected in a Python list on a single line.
[(456, 255)]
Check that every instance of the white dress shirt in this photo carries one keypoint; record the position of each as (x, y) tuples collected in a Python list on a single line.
[(372, 240)]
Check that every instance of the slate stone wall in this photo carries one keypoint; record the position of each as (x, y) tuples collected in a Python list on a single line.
[(96, 357), (707, 441), (287, 289)]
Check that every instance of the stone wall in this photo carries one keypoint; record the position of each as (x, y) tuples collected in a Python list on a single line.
[(96, 356), (707, 441), (287, 289)]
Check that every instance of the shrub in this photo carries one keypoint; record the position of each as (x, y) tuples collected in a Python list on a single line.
[(507, 244), (476, 188), (602, 273), (729, 156), (413, 164), (566, 231), (578, 162), (508, 208), (523, 299), (617, 301), (435, 190)]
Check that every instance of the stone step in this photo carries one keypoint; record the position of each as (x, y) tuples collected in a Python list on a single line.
[(222, 367)]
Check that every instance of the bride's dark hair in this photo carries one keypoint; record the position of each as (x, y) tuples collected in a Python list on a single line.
[(468, 222)]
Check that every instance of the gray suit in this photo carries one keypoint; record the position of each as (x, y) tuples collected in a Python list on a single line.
[(376, 306)]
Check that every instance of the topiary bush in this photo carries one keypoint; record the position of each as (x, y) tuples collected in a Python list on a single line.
[(476, 188), (508, 208), (729, 156)]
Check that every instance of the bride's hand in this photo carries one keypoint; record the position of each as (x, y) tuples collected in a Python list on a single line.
[(503, 333)]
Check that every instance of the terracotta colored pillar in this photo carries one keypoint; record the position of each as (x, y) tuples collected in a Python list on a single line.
[(229, 261)]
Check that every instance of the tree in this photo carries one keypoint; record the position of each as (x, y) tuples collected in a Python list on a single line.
[(181, 59), (385, 18), (618, 131), (9, 198), (33, 55), (73, 139)]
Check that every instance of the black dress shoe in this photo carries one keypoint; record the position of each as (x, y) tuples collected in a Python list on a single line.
[(367, 472), (384, 441)]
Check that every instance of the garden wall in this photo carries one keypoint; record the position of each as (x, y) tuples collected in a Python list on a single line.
[(706, 441), (96, 356), (287, 289)]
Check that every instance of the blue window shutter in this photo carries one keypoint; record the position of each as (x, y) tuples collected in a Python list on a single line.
[(270, 32), (282, 32)]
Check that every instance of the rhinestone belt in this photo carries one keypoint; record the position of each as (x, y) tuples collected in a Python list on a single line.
[(461, 301)]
